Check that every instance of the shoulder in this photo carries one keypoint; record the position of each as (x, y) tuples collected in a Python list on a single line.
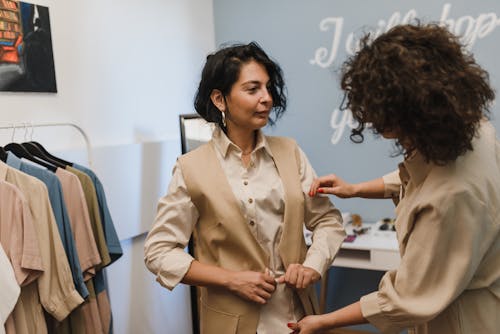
[(282, 143), (197, 153)]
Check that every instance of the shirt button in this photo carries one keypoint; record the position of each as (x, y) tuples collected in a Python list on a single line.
[(252, 223), (245, 183), (250, 200)]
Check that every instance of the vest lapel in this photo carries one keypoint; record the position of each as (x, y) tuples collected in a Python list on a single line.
[(286, 163)]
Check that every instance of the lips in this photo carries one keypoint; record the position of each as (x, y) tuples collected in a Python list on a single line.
[(262, 113)]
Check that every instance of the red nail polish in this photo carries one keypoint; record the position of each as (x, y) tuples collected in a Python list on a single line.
[(289, 324), (320, 190)]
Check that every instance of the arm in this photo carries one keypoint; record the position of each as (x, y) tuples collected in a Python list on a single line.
[(346, 316), (321, 217), (169, 236), (382, 187), (332, 184)]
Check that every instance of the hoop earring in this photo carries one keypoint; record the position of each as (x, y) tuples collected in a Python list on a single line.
[(223, 118)]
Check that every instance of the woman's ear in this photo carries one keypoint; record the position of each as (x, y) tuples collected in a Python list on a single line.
[(218, 100)]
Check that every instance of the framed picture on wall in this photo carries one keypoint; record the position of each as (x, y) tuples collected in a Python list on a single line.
[(26, 56), (195, 131)]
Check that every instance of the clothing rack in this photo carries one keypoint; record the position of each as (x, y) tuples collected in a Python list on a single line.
[(30, 125)]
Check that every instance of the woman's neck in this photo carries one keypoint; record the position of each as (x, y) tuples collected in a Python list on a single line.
[(244, 139)]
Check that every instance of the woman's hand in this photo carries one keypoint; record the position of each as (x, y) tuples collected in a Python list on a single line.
[(308, 325), (332, 184), (252, 285), (299, 277)]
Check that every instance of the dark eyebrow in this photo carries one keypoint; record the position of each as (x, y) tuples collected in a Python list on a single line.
[(250, 82), (255, 82)]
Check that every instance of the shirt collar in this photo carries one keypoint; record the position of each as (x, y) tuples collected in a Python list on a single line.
[(13, 161), (415, 168), (224, 144)]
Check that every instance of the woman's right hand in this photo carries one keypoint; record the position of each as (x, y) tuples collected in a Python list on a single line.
[(252, 285), (332, 184)]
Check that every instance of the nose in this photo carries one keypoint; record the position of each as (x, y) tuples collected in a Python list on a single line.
[(266, 96)]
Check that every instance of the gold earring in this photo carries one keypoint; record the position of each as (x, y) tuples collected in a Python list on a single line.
[(223, 118)]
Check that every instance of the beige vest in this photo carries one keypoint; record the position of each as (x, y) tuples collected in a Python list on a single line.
[(222, 236)]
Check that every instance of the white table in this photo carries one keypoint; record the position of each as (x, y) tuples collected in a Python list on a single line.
[(375, 250)]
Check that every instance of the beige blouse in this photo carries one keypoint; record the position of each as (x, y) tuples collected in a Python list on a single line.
[(260, 193), (448, 228)]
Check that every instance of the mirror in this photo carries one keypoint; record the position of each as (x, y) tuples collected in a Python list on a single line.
[(195, 131)]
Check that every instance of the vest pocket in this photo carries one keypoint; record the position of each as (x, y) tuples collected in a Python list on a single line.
[(213, 321)]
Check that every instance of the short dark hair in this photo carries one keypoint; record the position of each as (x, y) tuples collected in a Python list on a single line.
[(418, 81), (222, 70)]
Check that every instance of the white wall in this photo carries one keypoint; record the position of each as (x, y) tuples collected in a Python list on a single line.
[(125, 70)]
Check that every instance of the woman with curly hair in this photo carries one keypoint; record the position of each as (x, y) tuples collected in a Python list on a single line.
[(415, 84)]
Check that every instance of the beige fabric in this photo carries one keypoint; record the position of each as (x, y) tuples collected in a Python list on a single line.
[(19, 238), (90, 310), (104, 310), (392, 184), (18, 235), (85, 243), (448, 228), (54, 289), (10, 289), (252, 208)]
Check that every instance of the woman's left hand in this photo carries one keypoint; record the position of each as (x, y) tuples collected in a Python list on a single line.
[(308, 325), (299, 277)]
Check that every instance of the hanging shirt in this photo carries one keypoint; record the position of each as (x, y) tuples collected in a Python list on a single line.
[(85, 243), (10, 289), (60, 214), (112, 241), (54, 289), (95, 219), (18, 235)]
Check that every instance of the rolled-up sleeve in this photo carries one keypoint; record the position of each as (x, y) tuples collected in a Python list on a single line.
[(164, 250), (445, 244), (323, 219), (392, 184)]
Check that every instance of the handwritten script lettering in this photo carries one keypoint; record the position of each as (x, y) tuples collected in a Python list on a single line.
[(469, 28)]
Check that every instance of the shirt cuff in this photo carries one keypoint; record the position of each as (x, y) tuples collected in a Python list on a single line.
[(317, 263), (171, 274), (371, 310), (62, 308)]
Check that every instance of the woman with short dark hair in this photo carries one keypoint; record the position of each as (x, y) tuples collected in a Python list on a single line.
[(244, 196)]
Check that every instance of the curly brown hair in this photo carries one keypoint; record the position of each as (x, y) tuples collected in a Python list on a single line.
[(418, 82)]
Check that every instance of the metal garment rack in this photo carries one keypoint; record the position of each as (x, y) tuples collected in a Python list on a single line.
[(29, 125)]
